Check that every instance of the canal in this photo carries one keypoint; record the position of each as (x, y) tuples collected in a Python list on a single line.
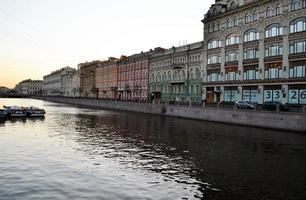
[(84, 153)]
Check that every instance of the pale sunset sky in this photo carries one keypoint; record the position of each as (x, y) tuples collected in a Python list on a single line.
[(40, 36)]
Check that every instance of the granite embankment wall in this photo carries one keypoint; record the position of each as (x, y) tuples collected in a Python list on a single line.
[(272, 120)]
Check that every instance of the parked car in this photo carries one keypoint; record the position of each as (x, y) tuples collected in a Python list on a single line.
[(244, 105), (272, 106)]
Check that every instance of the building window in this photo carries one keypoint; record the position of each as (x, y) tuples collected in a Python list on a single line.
[(298, 25), (236, 21), (213, 77), (298, 47), (231, 56), (297, 71), (251, 35), (272, 73), (273, 50), (231, 76), (255, 16), (248, 18), (269, 12), (274, 30), (251, 74), (304, 4), (251, 54), (214, 43), (229, 23), (232, 39), (213, 59), (278, 9), (294, 5)]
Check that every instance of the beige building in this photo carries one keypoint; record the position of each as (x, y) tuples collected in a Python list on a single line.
[(29, 87), (88, 79), (255, 50), (53, 83), (71, 83)]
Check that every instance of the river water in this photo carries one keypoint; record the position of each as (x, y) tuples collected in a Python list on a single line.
[(82, 153)]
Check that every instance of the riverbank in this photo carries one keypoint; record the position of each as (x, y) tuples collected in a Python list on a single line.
[(271, 120)]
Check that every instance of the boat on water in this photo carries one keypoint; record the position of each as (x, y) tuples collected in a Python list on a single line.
[(2, 113), (14, 111), (32, 111)]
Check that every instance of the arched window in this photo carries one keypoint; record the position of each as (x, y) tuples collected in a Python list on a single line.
[(294, 5), (175, 75), (191, 74), (278, 9), (274, 30), (165, 76), (251, 35), (248, 18), (182, 74), (198, 73), (213, 43), (255, 16), (232, 39), (298, 25), (236, 21), (152, 78), (229, 23), (169, 76), (158, 77), (269, 12)]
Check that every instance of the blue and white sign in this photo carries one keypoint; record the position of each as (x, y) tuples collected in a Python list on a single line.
[(302, 96), (293, 96), (268, 95), (277, 95)]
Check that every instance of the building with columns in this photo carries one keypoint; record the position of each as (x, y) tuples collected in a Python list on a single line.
[(30, 87), (176, 74), (255, 50)]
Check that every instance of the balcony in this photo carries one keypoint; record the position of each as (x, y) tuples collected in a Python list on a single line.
[(178, 66), (177, 82)]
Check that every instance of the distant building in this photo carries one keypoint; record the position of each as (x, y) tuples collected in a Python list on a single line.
[(255, 51), (29, 87), (3, 90), (53, 83), (88, 79), (71, 83), (107, 80), (176, 74), (133, 76)]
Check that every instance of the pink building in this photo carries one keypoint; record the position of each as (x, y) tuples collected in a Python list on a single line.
[(133, 76)]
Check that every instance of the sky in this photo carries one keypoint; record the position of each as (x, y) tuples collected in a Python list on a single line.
[(40, 36)]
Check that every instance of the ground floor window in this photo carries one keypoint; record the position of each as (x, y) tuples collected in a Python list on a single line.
[(273, 95), (297, 96), (250, 96), (231, 96)]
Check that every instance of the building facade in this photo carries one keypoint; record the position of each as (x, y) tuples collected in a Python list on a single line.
[(71, 83), (176, 74), (133, 76), (255, 50), (29, 87), (106, 79), (88, 87), (53, 83)]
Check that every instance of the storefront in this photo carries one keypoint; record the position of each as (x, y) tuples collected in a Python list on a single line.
[(250, 94)]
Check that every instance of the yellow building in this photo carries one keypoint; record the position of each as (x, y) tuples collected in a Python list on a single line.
[(106, 79)]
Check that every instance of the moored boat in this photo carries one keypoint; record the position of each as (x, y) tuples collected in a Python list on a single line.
[(2, 114), (14, 111), (34, 111)]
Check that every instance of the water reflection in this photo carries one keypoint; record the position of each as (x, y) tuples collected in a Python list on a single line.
[(170, 158)]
